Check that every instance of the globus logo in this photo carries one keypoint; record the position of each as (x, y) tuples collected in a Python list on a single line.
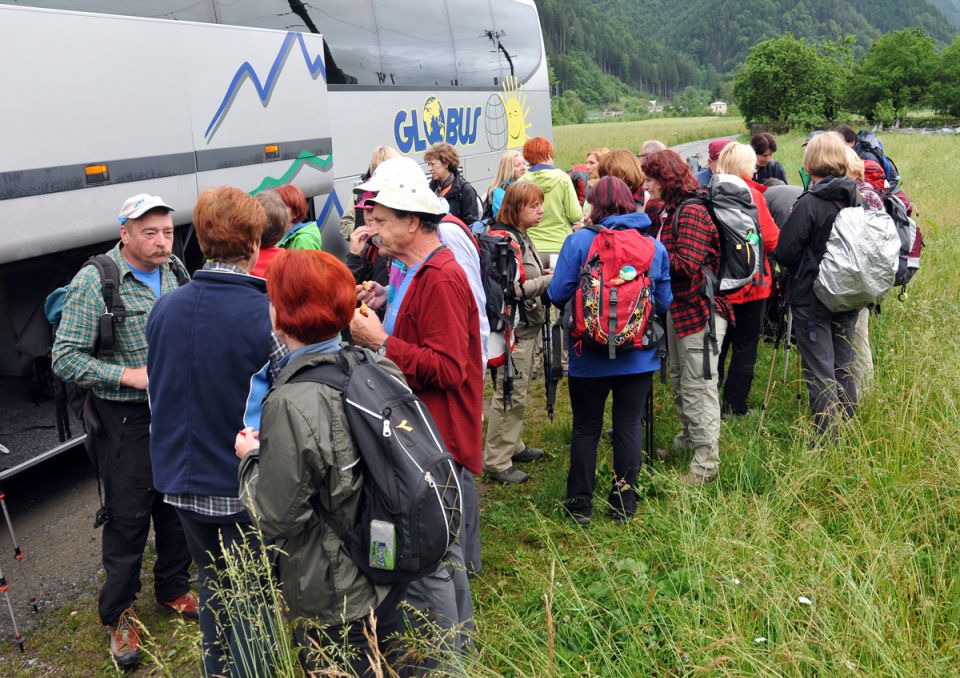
[(455, 126)]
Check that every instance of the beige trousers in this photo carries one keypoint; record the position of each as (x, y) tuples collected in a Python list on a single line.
[(863, 367), (696, 398), (506, 424)]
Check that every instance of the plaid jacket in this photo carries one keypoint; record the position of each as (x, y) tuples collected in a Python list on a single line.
[(75, 345), (697, 245)]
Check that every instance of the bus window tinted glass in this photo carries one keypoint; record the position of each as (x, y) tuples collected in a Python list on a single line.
[(352, 55), (519, 33), (181, 10), (475, 41), (415, 42)]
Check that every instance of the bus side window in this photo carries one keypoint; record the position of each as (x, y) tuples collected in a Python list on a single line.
[(416, 44), (519, 32), (351, 50), (476, 44)]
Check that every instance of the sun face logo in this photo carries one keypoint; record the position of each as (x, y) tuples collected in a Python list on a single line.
[(515, 103), (433, 122)]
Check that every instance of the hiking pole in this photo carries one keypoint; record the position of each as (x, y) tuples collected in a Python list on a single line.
[(769, 390), (788, 338), (17, 553), (4, 587)]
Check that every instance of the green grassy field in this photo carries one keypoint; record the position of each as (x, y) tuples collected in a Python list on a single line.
[(839, 561), (572, 142)]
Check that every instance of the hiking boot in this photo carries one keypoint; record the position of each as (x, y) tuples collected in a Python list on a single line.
[(580, 511), (623, 502), (510, 476), (528, 454), (187, 605), (693, 480), (125, 640)]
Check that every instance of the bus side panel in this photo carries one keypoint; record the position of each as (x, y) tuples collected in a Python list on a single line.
[(259, 109), (81, 90)]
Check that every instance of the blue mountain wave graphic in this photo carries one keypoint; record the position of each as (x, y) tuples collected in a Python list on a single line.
[(265, 88)]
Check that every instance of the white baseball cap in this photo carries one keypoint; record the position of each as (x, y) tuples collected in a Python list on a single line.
[(400, 184), (138, 205)]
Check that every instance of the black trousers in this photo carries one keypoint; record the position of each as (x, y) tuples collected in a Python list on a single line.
[(123, 454), (233, 644), (588, 397), (741, 341)]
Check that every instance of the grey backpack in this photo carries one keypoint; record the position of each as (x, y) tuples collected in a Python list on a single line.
[(860, 264)]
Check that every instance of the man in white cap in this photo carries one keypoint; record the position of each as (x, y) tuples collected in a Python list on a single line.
[(431, 331), (107, 354)]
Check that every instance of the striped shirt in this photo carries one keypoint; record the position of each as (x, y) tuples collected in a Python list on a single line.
[(74, 349)]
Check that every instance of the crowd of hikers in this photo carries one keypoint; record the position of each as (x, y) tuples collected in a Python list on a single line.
[(339, 407)]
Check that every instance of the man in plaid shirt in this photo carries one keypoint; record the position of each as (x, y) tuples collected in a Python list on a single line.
[(694, 335), (120, 436)]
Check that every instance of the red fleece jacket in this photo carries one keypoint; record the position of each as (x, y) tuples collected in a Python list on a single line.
[(436, 344)]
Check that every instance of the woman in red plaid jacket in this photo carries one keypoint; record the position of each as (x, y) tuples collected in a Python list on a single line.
[(694, 334)]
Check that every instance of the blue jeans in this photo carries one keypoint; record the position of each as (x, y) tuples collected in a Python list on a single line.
[(228, 649)]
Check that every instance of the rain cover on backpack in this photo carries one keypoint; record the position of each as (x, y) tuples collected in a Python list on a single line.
[(735, 216), (860, 264)]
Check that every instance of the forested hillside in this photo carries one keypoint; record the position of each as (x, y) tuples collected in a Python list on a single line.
[(661, 47)]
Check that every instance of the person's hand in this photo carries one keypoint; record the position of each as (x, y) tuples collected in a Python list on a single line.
[(134, 377), (247, 440), (359, 239), (367, 330), (373, 294), (577, 225)]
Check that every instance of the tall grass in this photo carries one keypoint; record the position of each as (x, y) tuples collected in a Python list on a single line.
[(718, 580)]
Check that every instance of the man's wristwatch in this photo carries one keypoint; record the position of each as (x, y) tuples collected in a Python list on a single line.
[(382, 349)]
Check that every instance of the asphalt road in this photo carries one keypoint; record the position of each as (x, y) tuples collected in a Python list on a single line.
[(698, 148)]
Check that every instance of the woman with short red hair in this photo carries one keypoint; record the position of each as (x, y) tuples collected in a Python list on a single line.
[(305, 450), (302, 234), (561, 208)]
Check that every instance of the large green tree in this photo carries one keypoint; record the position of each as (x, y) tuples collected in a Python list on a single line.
[(791, 82), (895, 74), (947, 89)]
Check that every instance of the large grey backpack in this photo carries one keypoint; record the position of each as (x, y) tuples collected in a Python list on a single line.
[(859, 266)]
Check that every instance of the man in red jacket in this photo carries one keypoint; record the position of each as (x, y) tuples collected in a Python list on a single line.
[(431, 331)]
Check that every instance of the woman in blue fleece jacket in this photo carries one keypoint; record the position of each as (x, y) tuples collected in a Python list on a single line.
[(592, 375)]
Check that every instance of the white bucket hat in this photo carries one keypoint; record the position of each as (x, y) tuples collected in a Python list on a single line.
[(400, 184)]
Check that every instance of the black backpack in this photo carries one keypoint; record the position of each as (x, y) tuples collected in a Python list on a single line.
[(411, 507), (68, 396)]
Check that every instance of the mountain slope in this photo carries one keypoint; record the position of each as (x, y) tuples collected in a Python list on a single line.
[(663, 46)]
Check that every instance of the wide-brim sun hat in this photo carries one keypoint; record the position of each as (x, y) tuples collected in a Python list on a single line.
[(400, 184)]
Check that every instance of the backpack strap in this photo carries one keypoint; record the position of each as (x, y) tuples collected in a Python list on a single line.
[(115, 311), (176, 267)]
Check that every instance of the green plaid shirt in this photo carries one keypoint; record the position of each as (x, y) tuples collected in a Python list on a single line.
[(75, 346)]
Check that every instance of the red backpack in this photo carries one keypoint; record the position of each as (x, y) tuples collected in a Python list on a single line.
[(615, 294)]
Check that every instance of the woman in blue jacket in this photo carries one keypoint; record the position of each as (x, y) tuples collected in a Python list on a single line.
[(592, 375)]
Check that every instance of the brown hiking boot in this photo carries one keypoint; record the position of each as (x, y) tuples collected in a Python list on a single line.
[(187, 605), (125, 640)]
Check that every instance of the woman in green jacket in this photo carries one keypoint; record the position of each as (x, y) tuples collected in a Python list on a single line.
[(303, 234)]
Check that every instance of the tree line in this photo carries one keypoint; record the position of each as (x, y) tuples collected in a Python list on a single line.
[(793, 82)]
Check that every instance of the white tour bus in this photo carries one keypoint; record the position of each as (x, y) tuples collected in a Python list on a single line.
[(104, 99)]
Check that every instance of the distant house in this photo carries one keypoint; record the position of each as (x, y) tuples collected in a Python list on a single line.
[(607, 113), (718, 107), (654, 107)]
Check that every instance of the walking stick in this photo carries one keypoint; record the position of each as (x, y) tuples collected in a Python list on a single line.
[(769, 390), (17, 553), (788, 338), (4, 587)]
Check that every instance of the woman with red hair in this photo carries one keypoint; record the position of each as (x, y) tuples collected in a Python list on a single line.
[(305, 450), (561, 208), (302, 234), (695, 331)]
